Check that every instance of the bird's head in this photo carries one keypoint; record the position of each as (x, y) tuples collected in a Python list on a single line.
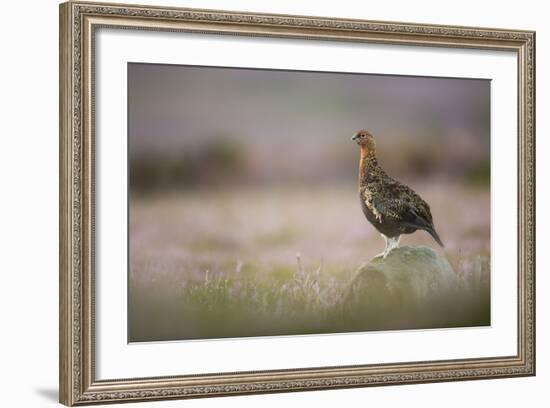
[(365, 140)]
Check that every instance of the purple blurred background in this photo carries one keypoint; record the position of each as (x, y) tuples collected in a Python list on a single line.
[(194, 125)]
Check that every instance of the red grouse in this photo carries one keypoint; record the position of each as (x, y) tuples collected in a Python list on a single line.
[(391, 207)]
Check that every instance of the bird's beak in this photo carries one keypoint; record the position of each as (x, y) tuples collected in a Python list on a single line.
[(354, 137)]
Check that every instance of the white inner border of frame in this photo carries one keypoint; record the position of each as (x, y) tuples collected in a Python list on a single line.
[(115, 358)]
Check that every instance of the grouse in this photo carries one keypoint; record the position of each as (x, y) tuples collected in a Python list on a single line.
[(391, 207)]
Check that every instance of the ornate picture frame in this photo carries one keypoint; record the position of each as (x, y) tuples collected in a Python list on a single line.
[(78, 24)]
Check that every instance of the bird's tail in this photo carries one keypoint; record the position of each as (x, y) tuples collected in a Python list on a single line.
[(433, 233), (423, 225)]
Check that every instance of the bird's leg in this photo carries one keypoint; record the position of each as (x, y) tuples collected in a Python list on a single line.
[(391, 243), (394, 242), (385, 253)]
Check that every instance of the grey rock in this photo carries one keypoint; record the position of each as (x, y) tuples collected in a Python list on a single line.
[(413, 287)]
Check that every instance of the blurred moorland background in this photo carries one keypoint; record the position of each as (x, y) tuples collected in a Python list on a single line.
[(244, 218)]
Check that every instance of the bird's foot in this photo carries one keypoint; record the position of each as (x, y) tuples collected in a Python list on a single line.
[(380, 255), (383, 254), (386, 252), (391, 244)]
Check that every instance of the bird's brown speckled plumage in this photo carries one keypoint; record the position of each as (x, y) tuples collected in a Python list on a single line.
[(391, 207)]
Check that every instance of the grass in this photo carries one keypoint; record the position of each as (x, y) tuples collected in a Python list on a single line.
[(296, 302), (238, 303), (224, 263)]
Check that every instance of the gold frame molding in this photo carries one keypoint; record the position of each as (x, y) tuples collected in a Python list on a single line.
[(78, 22)]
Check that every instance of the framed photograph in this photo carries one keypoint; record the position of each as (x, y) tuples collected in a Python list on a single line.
[(256, 203)]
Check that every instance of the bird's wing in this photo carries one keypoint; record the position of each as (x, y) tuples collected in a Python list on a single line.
[(396, 201)]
